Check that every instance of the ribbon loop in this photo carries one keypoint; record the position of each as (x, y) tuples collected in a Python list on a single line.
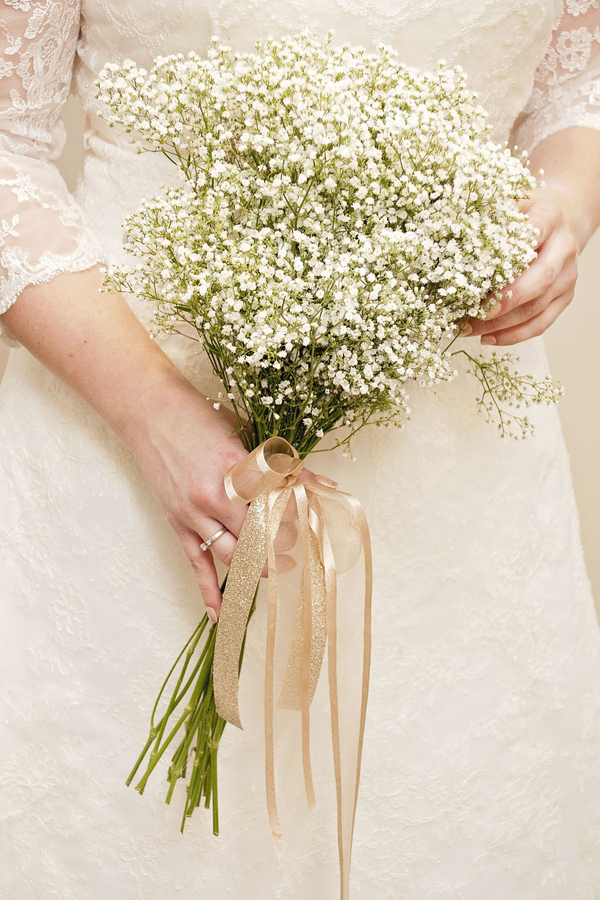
[(333, 532), (273, 463)]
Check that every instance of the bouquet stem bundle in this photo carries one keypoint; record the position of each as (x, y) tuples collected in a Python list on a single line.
[(202, 727)]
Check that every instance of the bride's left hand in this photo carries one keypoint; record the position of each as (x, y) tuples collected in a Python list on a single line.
[(537, 297)]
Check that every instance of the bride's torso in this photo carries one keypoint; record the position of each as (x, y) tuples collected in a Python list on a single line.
[(499, 43), (481, 762)]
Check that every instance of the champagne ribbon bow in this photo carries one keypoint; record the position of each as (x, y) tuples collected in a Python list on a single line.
[(334, 533)]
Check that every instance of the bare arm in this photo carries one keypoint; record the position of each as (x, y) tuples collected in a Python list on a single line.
[(94, 342), (571, 163)]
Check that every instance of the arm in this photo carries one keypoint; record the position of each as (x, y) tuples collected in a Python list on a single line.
[(94, 342), (570, 159), (50, 300), (562, 124)]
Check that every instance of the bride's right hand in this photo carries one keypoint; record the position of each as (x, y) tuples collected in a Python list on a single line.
[(184, 447)]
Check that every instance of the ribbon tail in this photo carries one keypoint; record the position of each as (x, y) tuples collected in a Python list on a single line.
[(366, 667), (305, 696), (346, 805), (244, 574), (331, 612), (292, 690), (331, 540), (270, 690)]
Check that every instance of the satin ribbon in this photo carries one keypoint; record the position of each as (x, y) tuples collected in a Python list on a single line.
[(334, 534)]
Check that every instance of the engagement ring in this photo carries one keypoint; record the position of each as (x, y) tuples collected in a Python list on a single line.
[(214, 538)]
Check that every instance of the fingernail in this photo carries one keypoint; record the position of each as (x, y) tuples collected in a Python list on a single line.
[(328, 482), (488, 339), (494, 311), (466, 330), (212, 614)]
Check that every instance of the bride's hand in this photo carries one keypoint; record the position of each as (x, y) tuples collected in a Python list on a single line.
[(537, 297), (184, 447)]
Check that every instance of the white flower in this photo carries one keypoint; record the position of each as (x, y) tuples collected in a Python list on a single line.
[(338, 212)]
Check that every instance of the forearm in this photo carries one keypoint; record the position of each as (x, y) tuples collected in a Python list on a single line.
[(184, 446), (571, 163), (93, 341)]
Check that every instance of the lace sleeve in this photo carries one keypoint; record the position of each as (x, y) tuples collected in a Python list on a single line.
[(41, 229), (566, 90)]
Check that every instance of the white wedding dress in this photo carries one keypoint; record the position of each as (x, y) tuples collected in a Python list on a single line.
[(481, 774)]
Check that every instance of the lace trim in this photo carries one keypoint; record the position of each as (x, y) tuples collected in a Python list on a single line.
[(22, 273), (580, 109), (25, 188)]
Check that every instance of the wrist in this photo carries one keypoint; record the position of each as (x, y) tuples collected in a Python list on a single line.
[(569, 160), (150, 409), (175, 431), (565, 198)]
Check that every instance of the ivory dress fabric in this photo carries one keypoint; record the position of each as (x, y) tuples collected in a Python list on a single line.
[(481, 774)]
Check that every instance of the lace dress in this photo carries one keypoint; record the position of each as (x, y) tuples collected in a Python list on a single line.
[(481, 776)]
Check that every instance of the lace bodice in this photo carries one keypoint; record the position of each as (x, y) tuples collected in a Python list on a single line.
[(534, 62)]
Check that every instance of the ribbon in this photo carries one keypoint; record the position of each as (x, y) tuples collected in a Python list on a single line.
[(334, 534)]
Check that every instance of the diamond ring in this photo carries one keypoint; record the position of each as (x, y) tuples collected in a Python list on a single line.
[(212, 539)]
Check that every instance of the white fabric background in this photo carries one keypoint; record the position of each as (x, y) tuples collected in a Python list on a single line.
[(573, 349)]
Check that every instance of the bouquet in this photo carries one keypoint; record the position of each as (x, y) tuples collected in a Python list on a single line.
[(338, 216)]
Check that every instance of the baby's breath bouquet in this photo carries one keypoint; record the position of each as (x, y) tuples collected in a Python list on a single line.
[(338, 215)]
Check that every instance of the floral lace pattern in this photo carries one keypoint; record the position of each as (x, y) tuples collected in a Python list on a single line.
[(566, 91), (40, 39), (482, 759), (42, 229)]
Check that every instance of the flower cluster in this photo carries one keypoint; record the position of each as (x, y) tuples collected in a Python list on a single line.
[(338, 214), (506, 393)]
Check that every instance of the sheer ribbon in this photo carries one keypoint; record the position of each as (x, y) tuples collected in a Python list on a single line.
[(334, 534)]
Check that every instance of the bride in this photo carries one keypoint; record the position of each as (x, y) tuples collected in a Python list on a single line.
[(481, 775)]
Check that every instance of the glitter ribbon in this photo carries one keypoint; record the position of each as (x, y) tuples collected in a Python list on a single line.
[(334, 534)]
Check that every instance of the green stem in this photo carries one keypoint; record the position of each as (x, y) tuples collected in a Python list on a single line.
[(203, 727)]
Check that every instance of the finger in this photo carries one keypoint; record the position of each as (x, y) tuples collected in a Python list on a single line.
[(544, 215), (526, 311), (231, 516), (558, 252), (224, 546), (287, 535), (212, 510), (307, 475), (532, 328), (204, 570), (285, 563), (223, 511)]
